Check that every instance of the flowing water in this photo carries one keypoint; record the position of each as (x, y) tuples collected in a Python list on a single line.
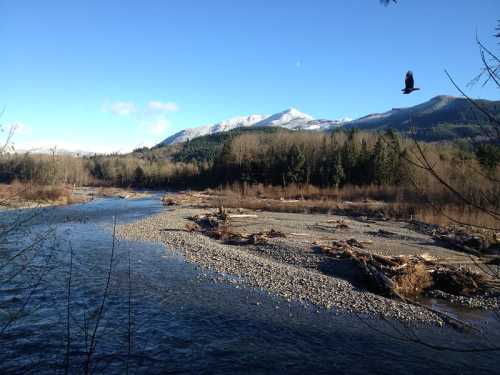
[(162, 315)]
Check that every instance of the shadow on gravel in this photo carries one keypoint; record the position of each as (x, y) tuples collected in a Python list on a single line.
[(344, 269)]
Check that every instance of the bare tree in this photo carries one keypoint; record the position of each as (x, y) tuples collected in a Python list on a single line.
[(487, 149)]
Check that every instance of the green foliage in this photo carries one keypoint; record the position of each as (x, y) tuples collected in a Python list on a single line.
[(139, 176), (337, 174), (488, 155), (295, 164), (253, 157), (208, 148)]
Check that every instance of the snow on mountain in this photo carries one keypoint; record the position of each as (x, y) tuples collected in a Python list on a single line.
[(53, 151), (223, 126), (291, 119), (323, 124)]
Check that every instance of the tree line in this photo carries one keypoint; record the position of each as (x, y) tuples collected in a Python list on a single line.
[(324, 160)]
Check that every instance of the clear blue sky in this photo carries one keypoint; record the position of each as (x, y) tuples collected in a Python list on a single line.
[(112, 75)]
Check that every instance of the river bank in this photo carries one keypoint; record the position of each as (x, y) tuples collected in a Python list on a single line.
[(181, 321), (26, 196), (290, 267)]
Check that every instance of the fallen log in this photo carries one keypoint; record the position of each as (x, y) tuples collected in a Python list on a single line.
[(410, 276), (242, 216), (456, 243)]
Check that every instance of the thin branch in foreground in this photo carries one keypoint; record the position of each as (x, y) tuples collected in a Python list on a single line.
[(93, 338), (68, 313), (129, 332), (490, 117)]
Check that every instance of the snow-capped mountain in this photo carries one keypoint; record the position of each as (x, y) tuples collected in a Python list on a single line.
[(291, 119), (223, 126), (429, 115), (53, 151)]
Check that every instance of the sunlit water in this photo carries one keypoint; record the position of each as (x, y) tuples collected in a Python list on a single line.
[(182, 322)]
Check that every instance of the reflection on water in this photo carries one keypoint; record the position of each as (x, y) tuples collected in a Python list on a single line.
[(182, 322)]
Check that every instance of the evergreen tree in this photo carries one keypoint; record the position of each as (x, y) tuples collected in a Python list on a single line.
[(139, 176), (295, 162), (350, 156), (363, 173), (224, 164), (337, 175), (394, 156), (381, 163), (489, 156)]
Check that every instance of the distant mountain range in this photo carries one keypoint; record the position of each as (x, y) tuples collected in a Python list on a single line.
[(53, 151), (441, 118)]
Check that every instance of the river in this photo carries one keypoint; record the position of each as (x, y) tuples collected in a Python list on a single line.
[(166, 317)]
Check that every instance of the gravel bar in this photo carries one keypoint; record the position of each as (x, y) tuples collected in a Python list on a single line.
[(290, 281)]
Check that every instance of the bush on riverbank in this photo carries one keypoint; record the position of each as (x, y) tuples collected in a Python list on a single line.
[(17, 191)]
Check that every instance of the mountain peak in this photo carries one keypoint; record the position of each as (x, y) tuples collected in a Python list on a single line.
[(294, 111), (443, 98), (287, 117), (291, 119)]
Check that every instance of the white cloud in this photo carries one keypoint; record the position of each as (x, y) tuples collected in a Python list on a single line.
[(120, 108), (151, 118), (156, 126), (162, 106)]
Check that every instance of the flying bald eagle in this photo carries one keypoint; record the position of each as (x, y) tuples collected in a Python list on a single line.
[(409, 84)]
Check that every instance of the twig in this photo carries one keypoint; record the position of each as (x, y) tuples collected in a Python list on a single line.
[(129, 311), (93, 339), (68, 310)]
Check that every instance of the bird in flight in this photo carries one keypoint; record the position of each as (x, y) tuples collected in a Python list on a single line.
[(409, 84)]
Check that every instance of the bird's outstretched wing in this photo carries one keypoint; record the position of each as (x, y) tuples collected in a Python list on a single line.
[(409, 82)]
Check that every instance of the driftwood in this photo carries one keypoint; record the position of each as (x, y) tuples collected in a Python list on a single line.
[(395, 279), (184, 198), (242, 216), (234, 238), (405, 277), (217, 225), (458, 243)]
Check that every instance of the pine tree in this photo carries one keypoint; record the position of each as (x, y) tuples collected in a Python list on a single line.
[(350, 157), (337, 175), (295, 161), (381, 163), (139, 176)]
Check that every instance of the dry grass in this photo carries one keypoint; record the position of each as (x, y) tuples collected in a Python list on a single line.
[(311, 192), (18, 192), (444, 215), (414, 281), (50, 193), (394, 202)]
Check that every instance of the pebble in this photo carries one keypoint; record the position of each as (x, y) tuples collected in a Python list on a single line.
[(287, 274)]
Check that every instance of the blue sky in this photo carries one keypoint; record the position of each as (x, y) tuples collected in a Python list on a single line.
[(112, 75)]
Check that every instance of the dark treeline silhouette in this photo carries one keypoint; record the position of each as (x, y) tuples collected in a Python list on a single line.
[(310, 158), (281, 158)]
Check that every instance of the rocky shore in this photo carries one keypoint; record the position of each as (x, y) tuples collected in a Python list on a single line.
[(277, 268)]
